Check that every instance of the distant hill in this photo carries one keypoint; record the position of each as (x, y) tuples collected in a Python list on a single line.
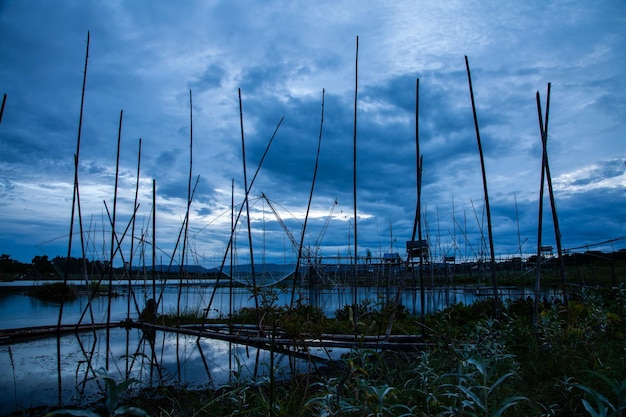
[(175, 268)]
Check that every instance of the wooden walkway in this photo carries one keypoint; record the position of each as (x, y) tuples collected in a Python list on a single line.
[(248, 335), (251, 335), (9, 336)]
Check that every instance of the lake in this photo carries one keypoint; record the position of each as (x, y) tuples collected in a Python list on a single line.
[(61, 370)]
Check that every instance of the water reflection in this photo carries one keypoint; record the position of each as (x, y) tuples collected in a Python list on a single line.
[(62, 370)]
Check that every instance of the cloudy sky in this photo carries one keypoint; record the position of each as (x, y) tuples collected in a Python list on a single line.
[(145, 57)]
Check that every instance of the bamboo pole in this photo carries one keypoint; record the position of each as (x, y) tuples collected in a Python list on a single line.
[(420, 162), (4, 101), (113, 239), (230, 241), (539, 226), (246, 202), (354, 188), (154, 239), (75, 191), (118, 247), (131, 293), (494, 279), (306, 217), (182, 271), (555, 217), (545, 170)]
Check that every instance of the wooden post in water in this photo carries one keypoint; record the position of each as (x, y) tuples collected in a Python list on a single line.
[(494, 279)]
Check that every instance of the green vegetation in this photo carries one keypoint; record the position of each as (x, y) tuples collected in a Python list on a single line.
[(54, 291), (572, 363), (114, 392)]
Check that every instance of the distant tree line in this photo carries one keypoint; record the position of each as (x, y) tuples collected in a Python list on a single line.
[(42, 267)]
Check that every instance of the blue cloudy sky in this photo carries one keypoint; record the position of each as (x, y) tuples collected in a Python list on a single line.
[(146, 56)]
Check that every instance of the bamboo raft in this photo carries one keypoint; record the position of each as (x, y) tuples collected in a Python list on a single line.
[(248, 335), (9, 336)]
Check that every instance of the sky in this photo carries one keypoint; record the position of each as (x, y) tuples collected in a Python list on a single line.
[(173, 72)]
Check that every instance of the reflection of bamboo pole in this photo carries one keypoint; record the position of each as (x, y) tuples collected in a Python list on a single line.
[(494, 279), (306, 217)]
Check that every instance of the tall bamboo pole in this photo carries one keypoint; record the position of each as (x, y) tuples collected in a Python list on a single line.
[(230, 241), (494, 278), (113, 240), (246, 202), (354, 188), (75, 197), (182, 271), (153, 239), (131, 292), (555, 217), (539, 223), (308, 208)]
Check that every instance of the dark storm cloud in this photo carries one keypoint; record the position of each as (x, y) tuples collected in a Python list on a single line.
[(145, 57)]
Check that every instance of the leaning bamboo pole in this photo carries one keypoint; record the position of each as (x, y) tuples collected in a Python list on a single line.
[(229, 246), (545, 173), (4, 101), (75, 196), (539, 230), (494, 278), (555, 217), (308, 208)]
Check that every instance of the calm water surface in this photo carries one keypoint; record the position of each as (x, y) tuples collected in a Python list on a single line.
[(50, 371)]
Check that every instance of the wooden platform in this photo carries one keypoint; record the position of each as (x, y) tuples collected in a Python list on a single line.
[(9, 336), (249, 335)]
